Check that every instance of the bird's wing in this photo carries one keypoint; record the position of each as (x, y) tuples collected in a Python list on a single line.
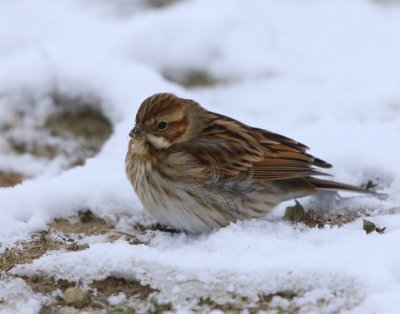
[(229, 149), (284, 158)]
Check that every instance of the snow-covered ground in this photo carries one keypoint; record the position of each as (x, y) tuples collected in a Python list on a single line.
[(326, 73)]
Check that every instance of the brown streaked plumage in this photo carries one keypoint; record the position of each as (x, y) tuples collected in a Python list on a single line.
[(196, 170)]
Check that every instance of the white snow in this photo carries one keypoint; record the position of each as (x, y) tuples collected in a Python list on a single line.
[(18, 297), (326, 73), (117, 299)]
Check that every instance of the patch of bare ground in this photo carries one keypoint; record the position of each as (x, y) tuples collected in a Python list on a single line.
[(160, 3), (312, 219), (138, 297), (134, 297), (86, 224), (10, 178), (60, 235), (80, 118), (68, 297), (46, 284), (112, 286), (73, 127), (192, 78), (24, 252), (238, 304), (72, 299), (63, 234)]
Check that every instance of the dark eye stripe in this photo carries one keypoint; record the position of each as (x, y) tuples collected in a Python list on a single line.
[(175, 130)]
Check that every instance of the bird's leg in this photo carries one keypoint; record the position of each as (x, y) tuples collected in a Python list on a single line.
[(163, 228)]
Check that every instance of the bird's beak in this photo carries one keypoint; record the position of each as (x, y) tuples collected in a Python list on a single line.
[(136, 131)]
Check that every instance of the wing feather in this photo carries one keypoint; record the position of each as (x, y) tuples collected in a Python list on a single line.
[(230, 148)]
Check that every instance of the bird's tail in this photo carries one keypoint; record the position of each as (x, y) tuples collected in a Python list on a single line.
[(335, 186)]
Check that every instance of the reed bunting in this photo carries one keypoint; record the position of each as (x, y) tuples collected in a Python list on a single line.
[(196, 170)]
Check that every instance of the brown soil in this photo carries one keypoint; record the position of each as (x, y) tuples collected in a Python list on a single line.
[(46, 284), (191, 79), (139, 297), (88, 224), (26, 252), (8, 179), (76, 129), (113, 286), (312, 219)]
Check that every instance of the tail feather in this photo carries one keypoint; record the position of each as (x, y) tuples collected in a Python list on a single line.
[(332, 185)]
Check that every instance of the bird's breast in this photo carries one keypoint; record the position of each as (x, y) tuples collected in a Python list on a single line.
[(139, 174)]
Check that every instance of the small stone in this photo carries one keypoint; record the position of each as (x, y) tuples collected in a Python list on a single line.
[(381, 230), (368, 226), (295, 213), (76, 297)]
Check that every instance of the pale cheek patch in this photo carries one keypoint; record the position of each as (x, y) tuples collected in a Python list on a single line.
[(158, 141)]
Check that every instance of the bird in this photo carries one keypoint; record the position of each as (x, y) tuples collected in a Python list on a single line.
[(196, 171)]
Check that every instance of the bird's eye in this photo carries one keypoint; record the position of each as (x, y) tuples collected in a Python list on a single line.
[(162, 125)]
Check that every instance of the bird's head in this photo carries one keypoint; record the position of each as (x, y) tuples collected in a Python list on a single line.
[(165, 119)]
